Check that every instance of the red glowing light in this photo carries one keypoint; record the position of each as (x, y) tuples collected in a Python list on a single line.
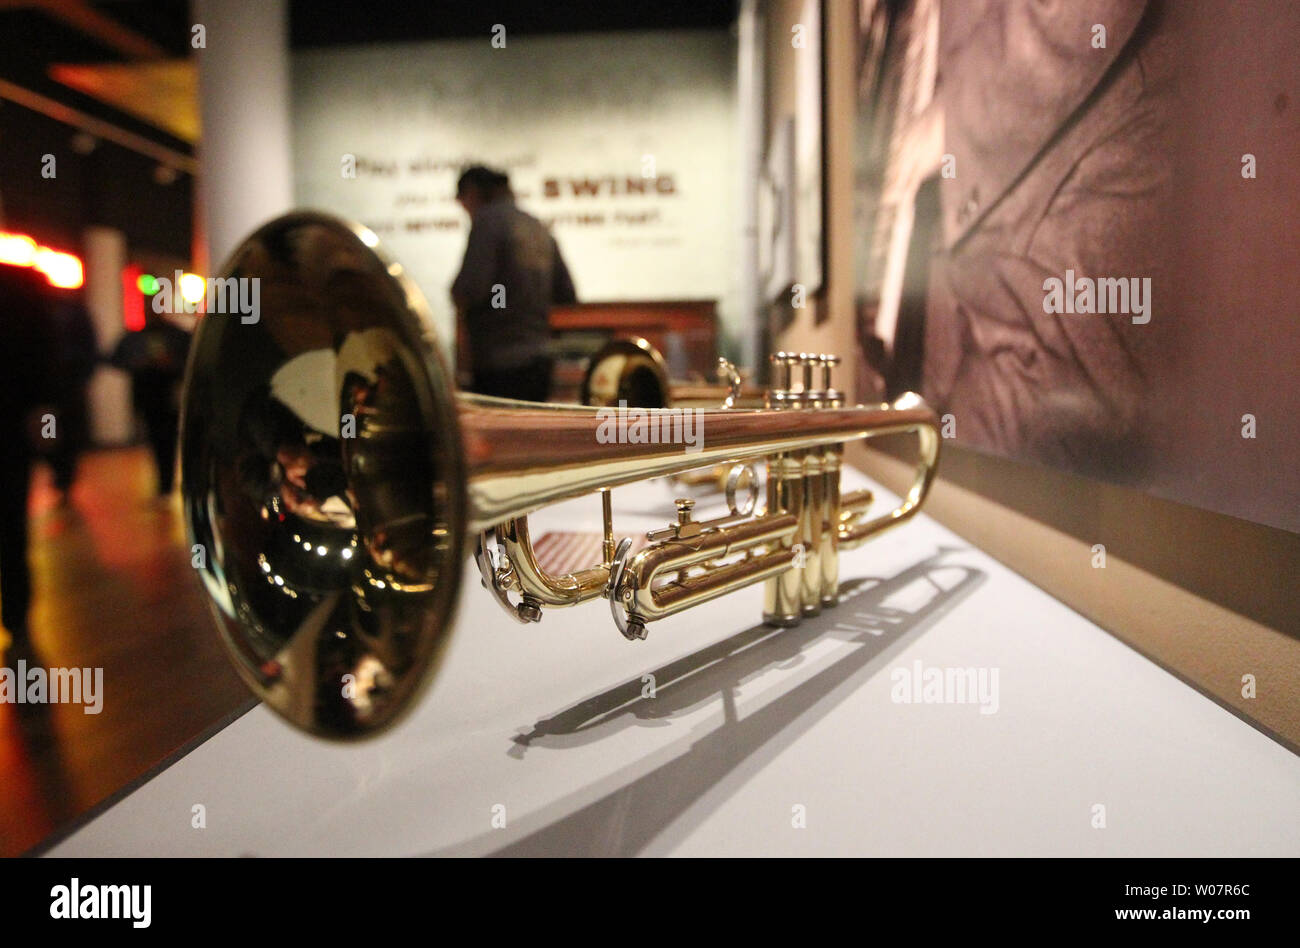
[(132, 299)]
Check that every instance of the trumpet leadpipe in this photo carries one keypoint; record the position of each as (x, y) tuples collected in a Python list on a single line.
[(567, 452)]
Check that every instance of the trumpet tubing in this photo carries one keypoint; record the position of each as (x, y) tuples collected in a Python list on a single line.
[(336, 482)]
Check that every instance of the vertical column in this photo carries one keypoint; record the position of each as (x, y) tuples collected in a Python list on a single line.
[(245, 171), (109, 394), (751, 112)]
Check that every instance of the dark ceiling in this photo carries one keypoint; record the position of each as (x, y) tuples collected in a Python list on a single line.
[(335, 22)]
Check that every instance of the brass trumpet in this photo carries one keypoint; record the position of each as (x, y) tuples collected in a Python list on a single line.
[(333, 483)]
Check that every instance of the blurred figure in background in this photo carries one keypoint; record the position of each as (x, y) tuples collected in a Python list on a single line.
[(78, 353), (27, 382), (155, 358), (511, 276)]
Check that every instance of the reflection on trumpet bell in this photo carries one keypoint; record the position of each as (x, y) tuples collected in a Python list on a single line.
[(337, 482)]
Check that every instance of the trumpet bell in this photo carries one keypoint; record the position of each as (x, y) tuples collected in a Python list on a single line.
[(324, 479), (626, 370)]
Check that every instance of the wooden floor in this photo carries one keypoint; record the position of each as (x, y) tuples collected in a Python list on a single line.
[(113, 588)]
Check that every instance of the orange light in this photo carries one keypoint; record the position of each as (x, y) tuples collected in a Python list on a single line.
[(17, 250), (63, 270)]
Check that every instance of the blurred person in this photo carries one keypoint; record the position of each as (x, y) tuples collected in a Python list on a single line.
[(511, 276), (77, 356), (27, 382), (155, 358)]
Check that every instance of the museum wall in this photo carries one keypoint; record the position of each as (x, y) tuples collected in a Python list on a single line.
[(624, 143), (824, 323), (1169, 517)]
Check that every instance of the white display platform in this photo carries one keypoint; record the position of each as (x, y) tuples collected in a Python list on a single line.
[(751, 732)]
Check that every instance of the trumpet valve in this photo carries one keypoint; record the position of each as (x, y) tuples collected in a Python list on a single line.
[(830, 397), (809, 395), (780, 394)]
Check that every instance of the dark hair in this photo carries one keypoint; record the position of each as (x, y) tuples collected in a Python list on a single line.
[(486, 181)]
